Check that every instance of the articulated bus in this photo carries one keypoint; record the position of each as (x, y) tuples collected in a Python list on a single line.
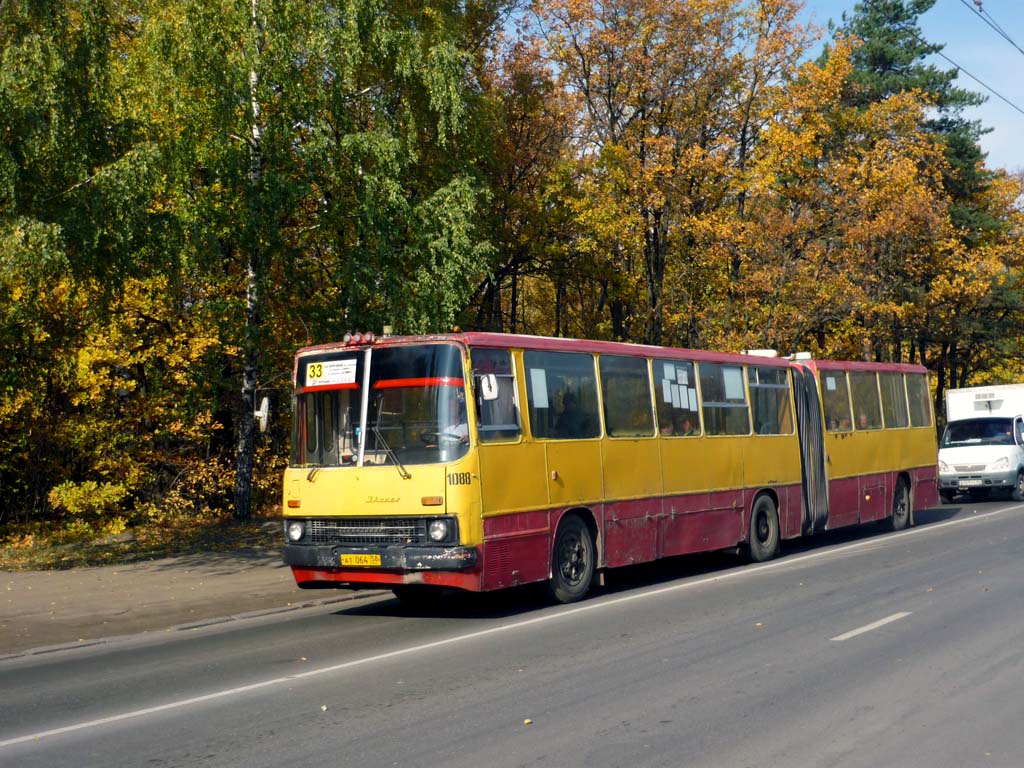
[(480, 461)]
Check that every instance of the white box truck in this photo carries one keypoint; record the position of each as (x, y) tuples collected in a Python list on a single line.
[(981, 452)]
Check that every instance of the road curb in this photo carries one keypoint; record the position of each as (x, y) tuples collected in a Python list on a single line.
[(45, 650)]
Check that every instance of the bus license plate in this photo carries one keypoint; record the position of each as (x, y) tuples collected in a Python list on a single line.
[(363, 560)]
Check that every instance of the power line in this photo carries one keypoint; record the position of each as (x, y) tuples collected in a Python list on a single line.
[(985, 16), (981, 83)]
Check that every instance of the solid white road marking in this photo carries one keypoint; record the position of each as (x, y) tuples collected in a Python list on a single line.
[(562, 614), (871, 626)]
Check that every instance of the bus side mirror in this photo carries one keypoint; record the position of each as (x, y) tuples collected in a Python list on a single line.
[(489, 386), (262, 414)]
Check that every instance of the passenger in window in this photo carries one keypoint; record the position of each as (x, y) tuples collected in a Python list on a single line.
[(686, 428), (862, 421), (572, 422)]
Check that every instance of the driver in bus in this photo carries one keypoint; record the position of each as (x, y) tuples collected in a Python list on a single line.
[(457, 424)]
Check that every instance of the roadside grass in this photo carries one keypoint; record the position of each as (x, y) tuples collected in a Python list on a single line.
[(52, 546)]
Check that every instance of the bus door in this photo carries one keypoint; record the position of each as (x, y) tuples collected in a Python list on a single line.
[(812, 450)]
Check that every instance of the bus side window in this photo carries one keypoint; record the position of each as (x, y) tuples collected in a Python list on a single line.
[(835, 400), (769, 400), (724, 399), (626, 390), (561, 391), (894, 400), (917, 396), (675, 387), (864, 389), (497, 417)]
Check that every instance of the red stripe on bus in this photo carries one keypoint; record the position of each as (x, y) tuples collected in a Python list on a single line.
[(322, 387), (441, 381), (311, 577)]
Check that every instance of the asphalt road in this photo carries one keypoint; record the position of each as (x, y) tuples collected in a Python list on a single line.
[(854, 649)]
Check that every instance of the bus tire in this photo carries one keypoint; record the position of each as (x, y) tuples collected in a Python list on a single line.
[(573, 559), (900, 507), (763, 539), (1017, 494)]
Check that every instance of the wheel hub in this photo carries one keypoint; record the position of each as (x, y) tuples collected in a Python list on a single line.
[(572, 561)]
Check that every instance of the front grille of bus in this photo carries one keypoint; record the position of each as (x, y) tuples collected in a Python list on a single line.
[(369, 531)]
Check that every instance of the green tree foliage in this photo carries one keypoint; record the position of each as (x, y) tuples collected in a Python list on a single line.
[(41, 315), (74, 222), (190, 190), (890, 58), (324, 154), (157, 155)]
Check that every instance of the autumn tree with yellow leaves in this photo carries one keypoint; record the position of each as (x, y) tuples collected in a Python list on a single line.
[(650, 79), (191, 190)]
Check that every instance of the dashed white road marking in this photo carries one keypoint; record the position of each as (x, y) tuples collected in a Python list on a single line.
[(869, 627)]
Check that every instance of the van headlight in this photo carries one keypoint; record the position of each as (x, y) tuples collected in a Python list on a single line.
[(294, 530), (1003, 463), (943, 466), (438, 530)]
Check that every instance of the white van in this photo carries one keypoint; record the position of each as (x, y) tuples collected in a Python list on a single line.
[(981, 452)]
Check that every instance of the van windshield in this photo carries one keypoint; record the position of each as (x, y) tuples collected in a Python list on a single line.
[(991, 431)]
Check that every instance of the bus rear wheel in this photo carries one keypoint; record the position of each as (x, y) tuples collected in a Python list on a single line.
[(763, 540), (900, 507), (572, 561)]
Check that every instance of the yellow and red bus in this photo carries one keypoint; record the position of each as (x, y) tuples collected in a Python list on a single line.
[(480, 461)]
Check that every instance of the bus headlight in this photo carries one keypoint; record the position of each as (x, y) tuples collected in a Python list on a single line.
[(295, 529), (438, 530)]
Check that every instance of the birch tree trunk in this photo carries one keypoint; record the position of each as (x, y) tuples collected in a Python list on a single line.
[(246, 426)]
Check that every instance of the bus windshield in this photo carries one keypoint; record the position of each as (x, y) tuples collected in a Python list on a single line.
[(991, 431), (415, 407)]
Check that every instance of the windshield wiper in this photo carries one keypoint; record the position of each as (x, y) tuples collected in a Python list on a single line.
[(391, 454)]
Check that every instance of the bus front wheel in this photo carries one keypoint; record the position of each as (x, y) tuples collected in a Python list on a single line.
[(763, 539), (572, 561)]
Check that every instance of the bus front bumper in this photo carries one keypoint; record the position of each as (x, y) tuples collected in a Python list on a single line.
[(444, 558)]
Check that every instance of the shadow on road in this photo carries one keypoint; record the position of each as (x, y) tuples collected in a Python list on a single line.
[(453, 604)]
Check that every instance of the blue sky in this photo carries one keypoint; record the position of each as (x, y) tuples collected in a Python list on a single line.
[(979, 50)]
